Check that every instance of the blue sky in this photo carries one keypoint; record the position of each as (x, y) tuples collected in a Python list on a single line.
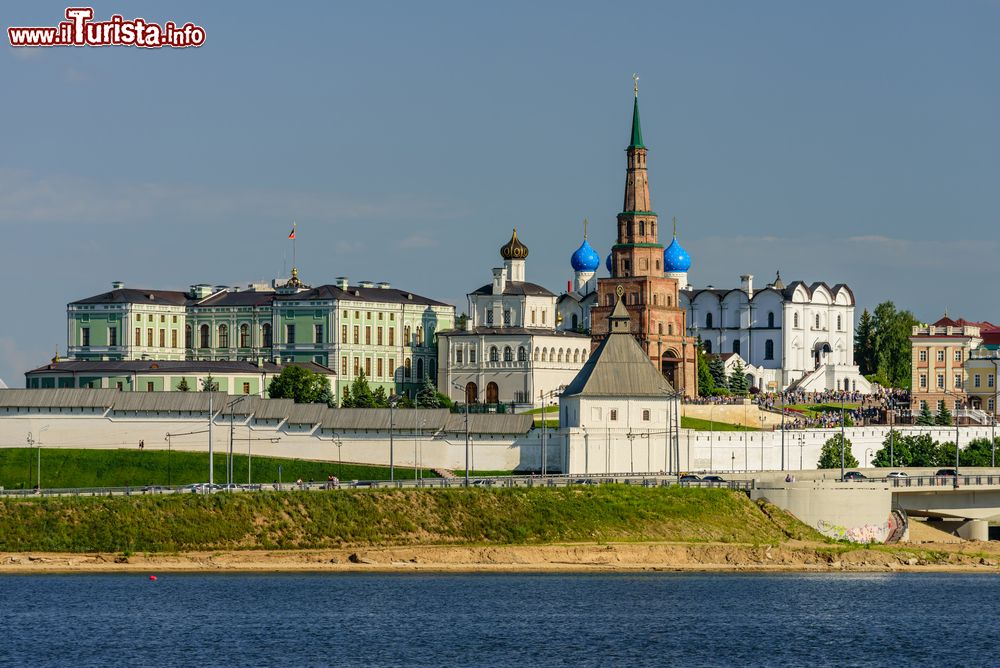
[(851, 142)]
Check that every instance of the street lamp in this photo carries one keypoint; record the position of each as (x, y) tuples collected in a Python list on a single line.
[(393, 400), (762, 419), (232, 427), (466, 404)]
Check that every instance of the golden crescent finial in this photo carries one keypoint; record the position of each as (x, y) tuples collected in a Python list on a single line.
[(635, 81)]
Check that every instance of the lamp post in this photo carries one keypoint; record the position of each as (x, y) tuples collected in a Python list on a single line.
[(802, 448), (782, 430), (761, 443), (230, 473), (466, 404), (393, 400), (167, 439), (843, 441), (211, 420)]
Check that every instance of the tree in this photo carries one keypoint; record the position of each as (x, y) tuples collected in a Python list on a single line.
[(926, 418), (404, 401), (183, 386), (979, 452), (864, 345), (209, 384), (738, 379), (706, 382), (895, 451), (301, 385), (427, 396), (379, 398), (347, 401), (892, 331), (361, 392), (943, 417), (444, 401), (829, 456), (718, 370)]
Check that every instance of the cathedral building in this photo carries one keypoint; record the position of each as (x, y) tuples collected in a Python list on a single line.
[(648, 289)]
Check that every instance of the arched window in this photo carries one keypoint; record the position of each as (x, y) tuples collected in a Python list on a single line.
[(494, 354), (576, 355), (560, 355), (670, 300), (420, 336), (736, 346), (770, 319), (652, 231), (492, 393), (659, 328), (188, 337), (204, 332), (244, 335), (795, 320), (840, 324), (670, 329), (420, 369), (223, 336), (406, 368), (645, 415), (508, 354), (707, 345), (538, 354), (265, 331), (406, 336), (708, 321), (642, 227), (471, 393), (576, 322), (769, 349), (583, 357), (522, 354), (817, 321)]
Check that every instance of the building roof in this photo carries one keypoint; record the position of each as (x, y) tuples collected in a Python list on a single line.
[(171, 367), (962, 322), (635, 140), (237, 298), (167, 402), (489, 423), (513, 331), (137, 296), (514, 249), (358, 293), (58, 398), (619, 367), (516, 288), (380, 419)]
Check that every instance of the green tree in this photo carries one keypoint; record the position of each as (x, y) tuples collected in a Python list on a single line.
[(896, 446), (738, 379), (706, 382), (427, 396), (183, 386), (925, 418), (300, 385), (404, 401), (864, 345), (924, 451), (444, 401), (718, 370), (892, 343), (209, 384), (979, 452), (379, 398), (829, 456), (943, 416), (361, 392), (347, 401)]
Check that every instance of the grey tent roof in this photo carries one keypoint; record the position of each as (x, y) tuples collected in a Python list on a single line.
[(274, 409), (58, 398), (183, 402), (307, 414), (619, 368), (489, 423), (378, 419)]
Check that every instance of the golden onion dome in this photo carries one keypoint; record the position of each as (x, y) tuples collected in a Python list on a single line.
[(514, 249)]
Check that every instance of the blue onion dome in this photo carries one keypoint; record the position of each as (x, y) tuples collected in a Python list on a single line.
[(585, 258), (607, 262), (676, 258)]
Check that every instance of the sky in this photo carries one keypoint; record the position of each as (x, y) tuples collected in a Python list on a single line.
[(849, 142)]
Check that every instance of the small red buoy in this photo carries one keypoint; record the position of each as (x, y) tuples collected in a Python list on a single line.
[(153, 578)]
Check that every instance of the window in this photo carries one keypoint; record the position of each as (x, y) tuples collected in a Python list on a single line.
[(489, 317), (149, 337), (406, 368), (368, 335), (357, 315), (138, 317), (188, 337), (378, 335), (923, 355), (368, 315), (85, 337), (494, 354), (149, 387), (940, 405), (989, 405), (940, 356), (940, 381), (392, 335), (958, 355), (290, 334), (989, 380), (392, 367), (532, 317), (420, 337), (420, 369), (769, 349), (670, 329), (357, 334), (406, 335), (378, 366), (318, 333), (506, 317), (613, 415), (958, 381), (543, 317), (163, 318), (458, 356), (659, 328), (770, 319), (708, 321), (576, 322), (817, 321), (976, 380), (244, 336), (357, 366), (642, 227), (736, 346), (839, 323), (343, 333), (645, 415), (112, 336), (368, 366), (508, 354), (707, 345), (163, 338), (343, 366), (472, 355), (174, 319), (246, 388), (522, 354), (118, 386), (923, 381), (266, 331)]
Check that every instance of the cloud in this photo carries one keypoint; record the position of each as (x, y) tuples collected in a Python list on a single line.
[(26, 197), (418, 241)]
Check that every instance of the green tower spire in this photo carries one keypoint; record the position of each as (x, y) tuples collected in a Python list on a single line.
[(636, 128)]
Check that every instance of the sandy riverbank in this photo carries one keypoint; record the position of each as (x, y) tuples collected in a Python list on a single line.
[(625, 557)]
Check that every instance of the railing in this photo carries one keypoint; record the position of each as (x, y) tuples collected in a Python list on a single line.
[(933, 481)]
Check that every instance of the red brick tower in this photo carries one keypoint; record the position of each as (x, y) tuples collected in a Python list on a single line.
[(657, 322)]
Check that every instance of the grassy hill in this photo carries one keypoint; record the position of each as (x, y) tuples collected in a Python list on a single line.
[(120, 468), (269, 520)]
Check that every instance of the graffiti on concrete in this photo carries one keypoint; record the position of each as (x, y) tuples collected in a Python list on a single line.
[(890, 531)]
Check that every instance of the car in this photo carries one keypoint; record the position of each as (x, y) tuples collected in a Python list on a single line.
[(855, 475), (897, 474), (714, 478), (689, 477), (947, 472)]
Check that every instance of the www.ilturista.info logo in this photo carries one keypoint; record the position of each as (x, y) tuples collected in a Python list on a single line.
[(80, 30)]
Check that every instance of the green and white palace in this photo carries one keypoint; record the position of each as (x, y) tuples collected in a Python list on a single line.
[(387, 333)]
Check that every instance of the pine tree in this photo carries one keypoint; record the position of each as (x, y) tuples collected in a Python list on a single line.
[(361, 392), (718, 370), (943, 417), (864, 345), (183, 386), (427, 396), (706, 383), (379, 397), (926, 418), (209, 384), (738, 379)]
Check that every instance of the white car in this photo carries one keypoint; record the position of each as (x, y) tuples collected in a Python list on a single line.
[(897, 474)]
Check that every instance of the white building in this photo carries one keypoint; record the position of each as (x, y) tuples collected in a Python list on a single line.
[(510, 350), (619, 413), (790, 337)]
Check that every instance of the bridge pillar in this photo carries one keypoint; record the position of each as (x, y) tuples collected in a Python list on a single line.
[(974, 530)]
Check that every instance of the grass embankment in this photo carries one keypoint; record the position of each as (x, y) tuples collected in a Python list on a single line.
[(120, 468), (814, 410), (305, 520), (707, 425)]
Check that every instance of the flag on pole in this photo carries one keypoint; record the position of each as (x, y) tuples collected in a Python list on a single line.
[(291, 235)]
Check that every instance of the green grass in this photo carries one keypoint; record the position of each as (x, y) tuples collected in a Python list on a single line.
[(118, 468), (546, 409), (299, 520), (706, 425), (814, 409)]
